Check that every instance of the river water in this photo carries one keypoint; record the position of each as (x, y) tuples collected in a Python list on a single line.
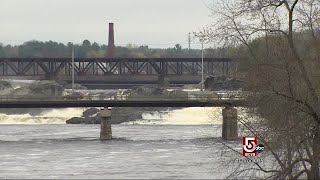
[(138, 151), (181, 143)]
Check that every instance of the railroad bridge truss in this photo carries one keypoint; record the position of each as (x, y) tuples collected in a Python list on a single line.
[(117, 70)]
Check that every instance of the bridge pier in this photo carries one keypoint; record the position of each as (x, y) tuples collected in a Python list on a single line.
[(105, 128), (230, 124)]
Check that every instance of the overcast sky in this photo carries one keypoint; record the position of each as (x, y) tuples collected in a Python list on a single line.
[(157, 23)]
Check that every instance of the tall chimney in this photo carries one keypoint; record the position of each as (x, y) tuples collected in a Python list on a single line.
[(111, 46)]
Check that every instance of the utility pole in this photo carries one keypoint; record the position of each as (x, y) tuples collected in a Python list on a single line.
[(189, 40), (72, 69), (202, 66)]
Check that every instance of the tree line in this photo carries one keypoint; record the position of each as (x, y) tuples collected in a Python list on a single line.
[(39, 49)]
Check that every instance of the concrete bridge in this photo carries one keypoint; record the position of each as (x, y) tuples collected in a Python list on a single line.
[(229, 113), (117, 71)]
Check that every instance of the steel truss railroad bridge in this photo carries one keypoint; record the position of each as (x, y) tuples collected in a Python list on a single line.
[(117, 70)]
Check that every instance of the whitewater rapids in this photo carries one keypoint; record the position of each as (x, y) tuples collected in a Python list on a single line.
[(185, 116)]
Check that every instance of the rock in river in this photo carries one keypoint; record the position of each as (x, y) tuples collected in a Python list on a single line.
[(222, 83), (5, 85)]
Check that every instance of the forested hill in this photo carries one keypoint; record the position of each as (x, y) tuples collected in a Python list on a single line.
[(94, 50)]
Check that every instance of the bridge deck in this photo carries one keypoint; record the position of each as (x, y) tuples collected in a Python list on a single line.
[(120, 103)]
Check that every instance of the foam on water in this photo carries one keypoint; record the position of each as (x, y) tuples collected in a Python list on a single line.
[(54, 116), (16, 83), (185, 116)]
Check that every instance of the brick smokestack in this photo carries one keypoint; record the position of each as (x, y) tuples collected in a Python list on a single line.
[(111, 46)]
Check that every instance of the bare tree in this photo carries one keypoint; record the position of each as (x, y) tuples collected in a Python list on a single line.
[(278, 43)]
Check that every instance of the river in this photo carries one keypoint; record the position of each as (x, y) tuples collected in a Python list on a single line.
[(182, 143)]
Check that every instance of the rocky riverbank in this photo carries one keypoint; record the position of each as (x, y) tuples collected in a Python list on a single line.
[(39, 89), (118, 115), (127, 114), (223, 83)]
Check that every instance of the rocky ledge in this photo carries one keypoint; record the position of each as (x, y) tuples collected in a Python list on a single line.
[(38, 89), (223, 83), (118, 115), (127, 114)]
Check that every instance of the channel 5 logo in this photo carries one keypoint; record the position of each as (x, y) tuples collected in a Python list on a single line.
[(250, 146)]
